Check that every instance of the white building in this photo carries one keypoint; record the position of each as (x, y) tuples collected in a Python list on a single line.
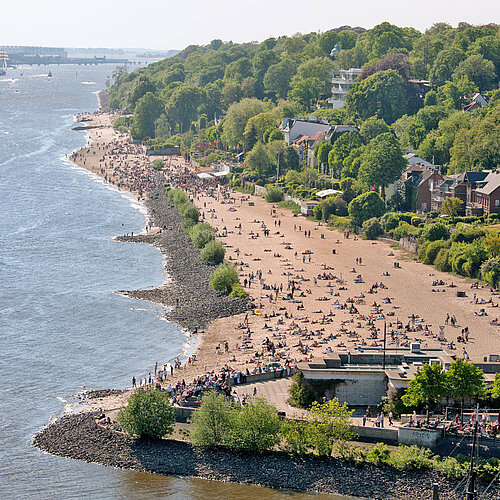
[(341, 85)]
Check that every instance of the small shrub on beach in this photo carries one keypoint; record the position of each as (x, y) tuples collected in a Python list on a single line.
[(224, 278), (372, 229), (201, 235), (158, 164), (213, 252), (148, 415), (238, 291)]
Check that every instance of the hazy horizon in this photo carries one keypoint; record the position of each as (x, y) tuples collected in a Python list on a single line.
[(168, 25)]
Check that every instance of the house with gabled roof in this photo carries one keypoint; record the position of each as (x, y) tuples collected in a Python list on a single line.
[(485, 198)]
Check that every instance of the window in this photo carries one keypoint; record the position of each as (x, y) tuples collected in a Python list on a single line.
[(497, 203)]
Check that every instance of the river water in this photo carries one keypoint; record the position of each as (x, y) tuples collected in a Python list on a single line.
[(62, 327)]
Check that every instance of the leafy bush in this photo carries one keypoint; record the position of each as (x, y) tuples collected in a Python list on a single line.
[(274, 194), (379, 454), (404, 230), (340, 223), (452, 468), (158, 164), (416, 221), (442, 260), (467, 234), (178, 197), (372, 229), (430, 249), (332, 427), (411, 457), (490, 271), (148, 414), (366, 206), (296, 436), (254, 427), (201, 234), (435, 231), (390, 221), (238, 291), (210, 424), (224, 278), (300, 396), (213, 252)]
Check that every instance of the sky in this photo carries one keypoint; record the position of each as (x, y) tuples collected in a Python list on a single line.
[(174, 24)]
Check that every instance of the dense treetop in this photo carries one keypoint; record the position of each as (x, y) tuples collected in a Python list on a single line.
[(254, 85)]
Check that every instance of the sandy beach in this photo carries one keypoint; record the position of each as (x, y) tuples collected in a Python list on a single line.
[(343, 288)]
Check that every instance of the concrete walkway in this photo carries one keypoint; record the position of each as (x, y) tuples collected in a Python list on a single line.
[(275, 391)]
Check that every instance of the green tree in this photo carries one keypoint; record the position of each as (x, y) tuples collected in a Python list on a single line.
[(428, 387), (231, 93), (495, 390), (213, 252), (274, 194), (183, 104), (238, 70), (373, 127), (260, 161), (365, 206), (254, 427), (435, 231), (451, 206), (224, 278), (465, 380), (478, 70), (381, 95), (458, 92), (382, 161), (372, 229), (262, 61), (278, 76), (158, 164), (210, 425), (306, 91), (201, 234), (342, 148), (321, 152), (492, 242), (148, 415), (237, 117), (444, 65), (276, 135), (327, 41), (147, 110), (477, 147), (332, 427), (251, 137), (140, 88)]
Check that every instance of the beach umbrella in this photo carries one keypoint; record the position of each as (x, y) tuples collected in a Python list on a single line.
[(274, 364)]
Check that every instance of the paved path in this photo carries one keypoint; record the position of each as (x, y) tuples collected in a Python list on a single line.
[(275, 391)]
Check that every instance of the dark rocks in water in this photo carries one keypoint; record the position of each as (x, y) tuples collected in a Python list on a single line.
[(78, 436), (189, 294), (102, 393)]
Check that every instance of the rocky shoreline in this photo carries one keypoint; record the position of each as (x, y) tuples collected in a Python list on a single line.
[(192, 302), (78, 436)]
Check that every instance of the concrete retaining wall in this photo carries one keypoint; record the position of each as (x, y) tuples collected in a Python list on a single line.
[(376, 434), (420, 437)]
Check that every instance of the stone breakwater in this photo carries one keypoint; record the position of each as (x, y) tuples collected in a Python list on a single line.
[(193, 302), (78, 436)]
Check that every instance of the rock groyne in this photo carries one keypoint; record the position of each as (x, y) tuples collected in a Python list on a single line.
[(79, 437), (188, 293)]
